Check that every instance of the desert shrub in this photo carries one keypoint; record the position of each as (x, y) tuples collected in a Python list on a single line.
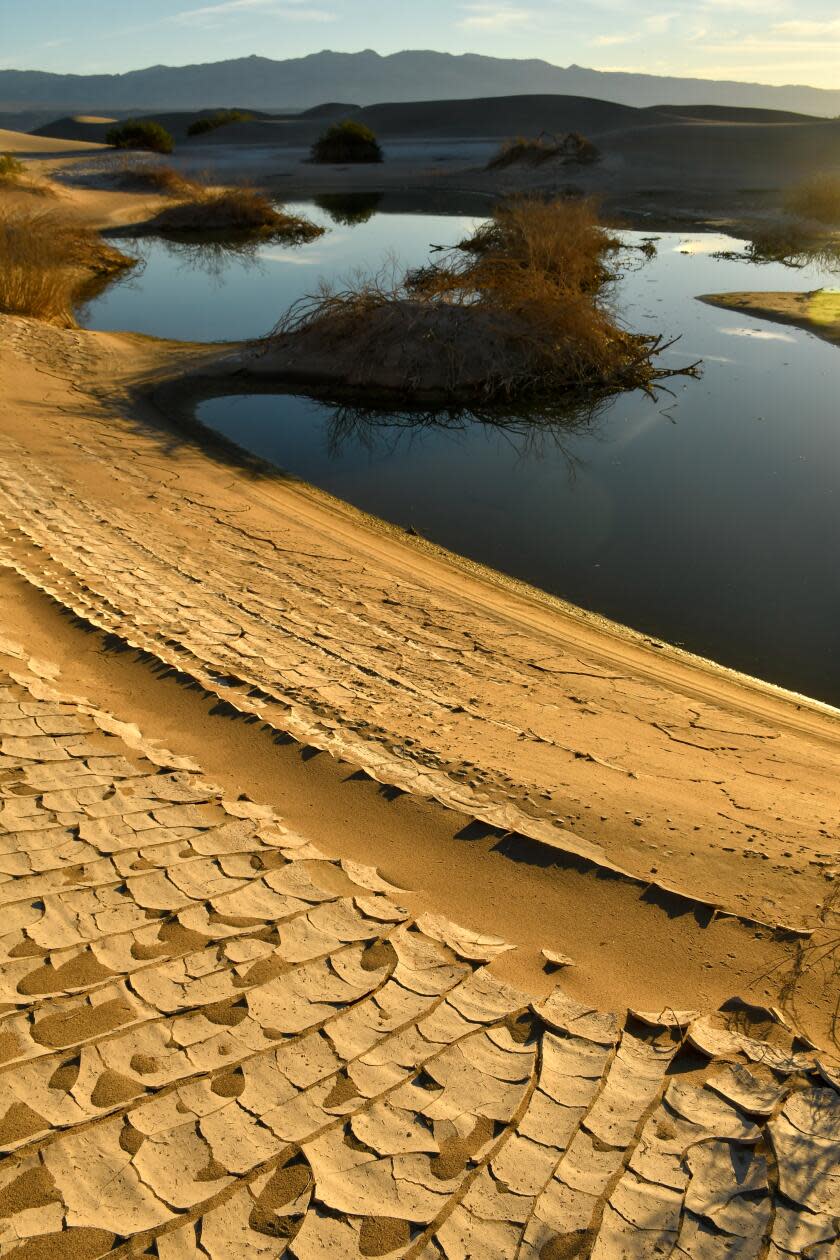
[(237, 210), (523, 151), (11, 169), (347, 141), (221, 118), (578, 148), (46, 263), (817, 198), (137, 134), (349, 209), (515, 311)]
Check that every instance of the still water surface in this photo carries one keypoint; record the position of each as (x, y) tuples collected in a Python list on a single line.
[(710, 518)]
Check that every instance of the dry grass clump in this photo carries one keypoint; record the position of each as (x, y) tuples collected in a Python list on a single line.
[(165, 180), (515, 311), (523, 151), (790, 243), (12, 170), (237, 210), (13, 174), (817, 198), (46, 263)]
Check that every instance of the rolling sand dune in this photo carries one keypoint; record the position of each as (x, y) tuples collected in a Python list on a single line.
[(27, 145)]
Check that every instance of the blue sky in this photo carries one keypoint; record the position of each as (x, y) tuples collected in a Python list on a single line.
[(771, 41)]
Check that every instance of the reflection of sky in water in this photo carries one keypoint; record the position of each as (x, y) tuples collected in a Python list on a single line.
[(758, 334), (708, 517)]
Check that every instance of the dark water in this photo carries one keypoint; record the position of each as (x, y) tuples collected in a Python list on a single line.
[(710, 519)]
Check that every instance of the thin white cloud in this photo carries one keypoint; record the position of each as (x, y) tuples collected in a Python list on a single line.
[(292, 10), (659, 23), (610, 41), (759, 7), (490, 17), (808, 30)]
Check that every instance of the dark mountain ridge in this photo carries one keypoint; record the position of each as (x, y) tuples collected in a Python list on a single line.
[(369, 79)]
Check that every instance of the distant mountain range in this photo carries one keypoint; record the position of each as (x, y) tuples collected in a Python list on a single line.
[(368, 78)]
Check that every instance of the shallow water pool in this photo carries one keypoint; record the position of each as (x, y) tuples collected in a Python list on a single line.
[(710, 518)]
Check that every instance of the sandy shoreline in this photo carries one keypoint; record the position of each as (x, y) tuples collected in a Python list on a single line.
[(817, 313)]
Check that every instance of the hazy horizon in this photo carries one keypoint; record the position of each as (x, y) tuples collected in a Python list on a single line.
[(773, 42)]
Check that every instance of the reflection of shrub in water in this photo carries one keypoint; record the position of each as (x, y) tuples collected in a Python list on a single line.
[(349, 209), (790, 244), (212, 254), (530, 430)]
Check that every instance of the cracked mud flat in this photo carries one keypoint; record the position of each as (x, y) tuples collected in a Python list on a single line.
[(217, 1042)]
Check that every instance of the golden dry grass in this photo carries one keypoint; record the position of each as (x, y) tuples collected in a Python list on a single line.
[(14, 174), (12, 170), (518, 309), (46, 262), (817, 198), (165, 180)]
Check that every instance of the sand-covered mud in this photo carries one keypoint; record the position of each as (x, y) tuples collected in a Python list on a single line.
[(219, 1042)]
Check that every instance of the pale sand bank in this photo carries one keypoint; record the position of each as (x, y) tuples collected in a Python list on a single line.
[(817, 312)]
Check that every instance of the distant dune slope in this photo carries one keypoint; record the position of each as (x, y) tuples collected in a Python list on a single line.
[(501, 116), (734, 155), (494, 118), (94, 128), (733, 113)]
